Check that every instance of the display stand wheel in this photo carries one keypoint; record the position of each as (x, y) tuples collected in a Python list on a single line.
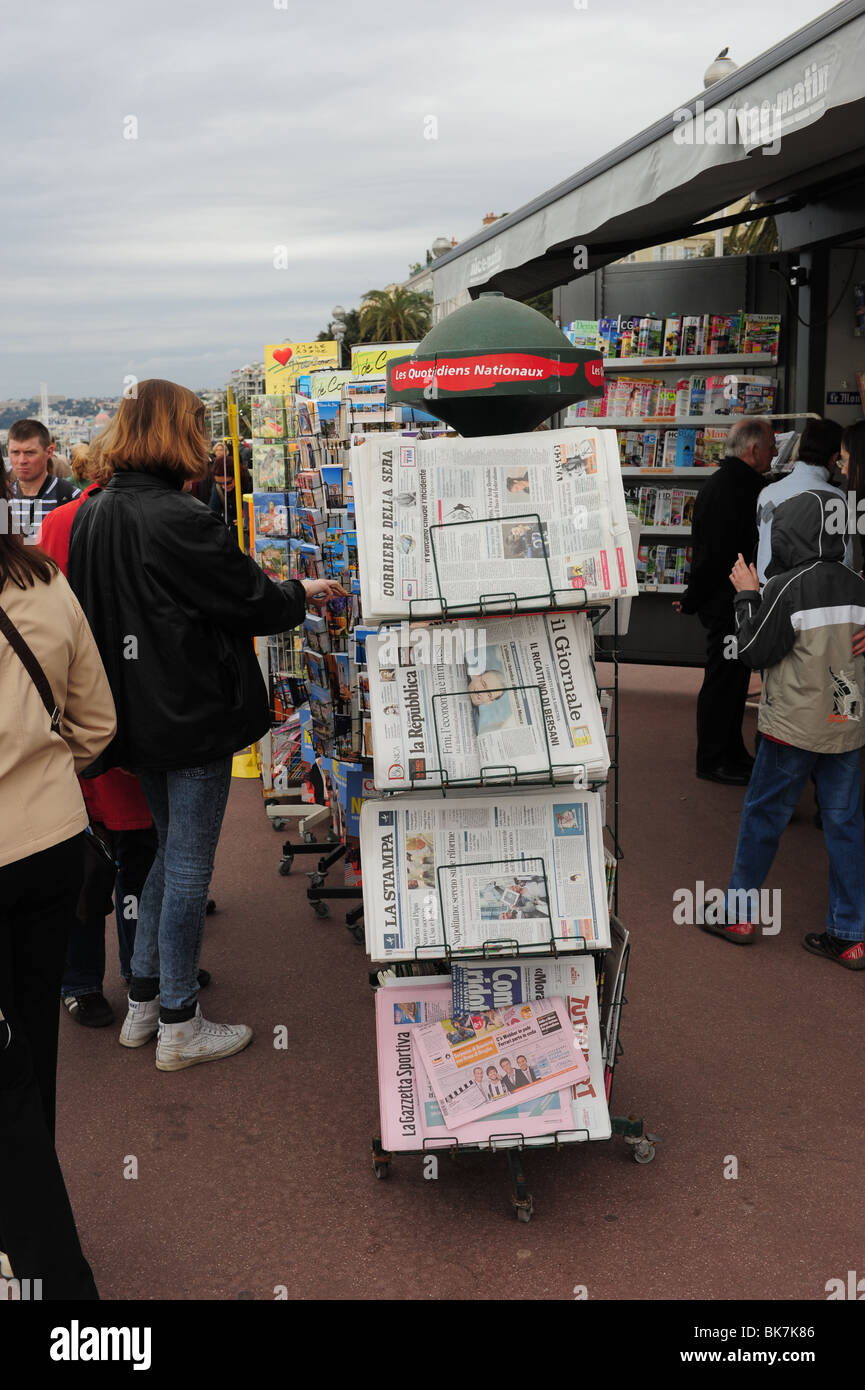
[(278, 824), (320, 909), (644, 1152), (526, 1209), (285, 864), (381, 1170), (333, 836), (358, 933), (316, 880), (308, 837)]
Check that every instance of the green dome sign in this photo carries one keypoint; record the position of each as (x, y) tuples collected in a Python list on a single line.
[(494, 367)]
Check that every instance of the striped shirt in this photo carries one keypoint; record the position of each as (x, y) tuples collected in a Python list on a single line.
[(28, 513)]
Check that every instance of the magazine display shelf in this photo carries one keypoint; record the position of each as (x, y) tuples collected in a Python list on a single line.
[(631, 1128)]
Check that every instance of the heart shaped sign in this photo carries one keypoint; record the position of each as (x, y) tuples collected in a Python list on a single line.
[(281, 355)]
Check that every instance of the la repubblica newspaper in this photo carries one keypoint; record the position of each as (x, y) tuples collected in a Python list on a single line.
[(476, 701), (471, 873), (500, 524)]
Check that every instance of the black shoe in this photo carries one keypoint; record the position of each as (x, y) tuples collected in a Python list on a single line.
[(211, 907), (91, 1010), (734, 775), (850, 954)]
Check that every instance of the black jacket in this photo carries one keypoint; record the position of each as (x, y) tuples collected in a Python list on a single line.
[(725, 524), (173, 605)]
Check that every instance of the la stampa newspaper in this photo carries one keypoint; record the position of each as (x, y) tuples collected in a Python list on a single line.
[(464, 874), (496, 524), (479, 702)]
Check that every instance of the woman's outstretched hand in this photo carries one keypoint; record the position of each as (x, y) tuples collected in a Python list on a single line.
[(321, 590)]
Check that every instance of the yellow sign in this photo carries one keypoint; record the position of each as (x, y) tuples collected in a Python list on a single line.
[(285, 362), (371, 359)]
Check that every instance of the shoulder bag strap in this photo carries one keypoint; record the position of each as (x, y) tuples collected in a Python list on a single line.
[(31, 665)]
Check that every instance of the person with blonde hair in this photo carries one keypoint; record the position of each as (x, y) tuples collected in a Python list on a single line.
[(174, 605), (56, 716)]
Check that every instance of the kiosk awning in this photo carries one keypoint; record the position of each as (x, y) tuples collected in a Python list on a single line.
[(788, 119)]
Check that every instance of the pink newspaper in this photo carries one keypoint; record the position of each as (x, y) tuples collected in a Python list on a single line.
[(411, 1117), (482, 1063)]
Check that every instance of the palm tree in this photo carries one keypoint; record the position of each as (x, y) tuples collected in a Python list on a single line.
[(750, 238), (395, 316)]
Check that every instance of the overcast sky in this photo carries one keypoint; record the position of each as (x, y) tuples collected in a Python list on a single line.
[(301, 127)]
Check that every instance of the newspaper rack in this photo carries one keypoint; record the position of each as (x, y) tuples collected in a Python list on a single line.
[(490, 605), (514, 1143)]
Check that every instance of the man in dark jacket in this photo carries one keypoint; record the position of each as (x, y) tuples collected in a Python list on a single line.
[(725, 525), (800, 634)]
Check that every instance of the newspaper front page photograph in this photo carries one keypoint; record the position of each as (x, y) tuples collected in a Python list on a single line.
[(477, 1062), (464, 874), (495, 522), (503, 698), (411, 1117)]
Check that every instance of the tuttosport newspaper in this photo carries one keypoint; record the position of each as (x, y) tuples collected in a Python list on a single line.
[(447, 706), (512, 515), (411, 1117), (477, 1063), (478, 985), (461, 874)]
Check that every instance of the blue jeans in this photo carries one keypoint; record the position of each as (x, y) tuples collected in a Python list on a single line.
[(187, 806), (779, 774)]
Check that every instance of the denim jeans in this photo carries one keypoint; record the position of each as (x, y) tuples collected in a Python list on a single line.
[(187, 806), (777, 779)]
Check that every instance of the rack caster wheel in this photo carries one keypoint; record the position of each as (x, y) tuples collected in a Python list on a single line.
[(285, 866), (316, 880), (358, 934), (381, 1170), (526, 1212), (333, 837), (278, 824), (321, 909), (644, 1152), (308, 837)]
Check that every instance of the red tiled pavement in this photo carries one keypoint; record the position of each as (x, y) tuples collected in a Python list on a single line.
[(255, 1172)]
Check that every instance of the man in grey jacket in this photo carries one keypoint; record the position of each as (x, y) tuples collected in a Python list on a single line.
[(799, 632)]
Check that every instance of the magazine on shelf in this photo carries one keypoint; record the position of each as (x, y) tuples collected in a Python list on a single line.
[(411, 1117), (511, 696), (476, 1063), (472, 873), (512, 517), (487, 984)]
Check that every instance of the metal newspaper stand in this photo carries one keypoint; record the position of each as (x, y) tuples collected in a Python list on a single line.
[(514, 1144)]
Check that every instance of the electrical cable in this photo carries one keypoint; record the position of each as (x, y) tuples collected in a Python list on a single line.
[(817, 323)]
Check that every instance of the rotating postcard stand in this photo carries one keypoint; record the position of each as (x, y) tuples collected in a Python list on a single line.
[(498, 367)]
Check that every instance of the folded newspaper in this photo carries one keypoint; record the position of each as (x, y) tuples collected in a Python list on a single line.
[(491, 524), (411, 1117), (477, 1062), (511, 697), (478, 985), (463, 874)]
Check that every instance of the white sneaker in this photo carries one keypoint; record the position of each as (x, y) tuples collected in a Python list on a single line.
[(141, 1022), (5, 1267), (198, 1040)]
